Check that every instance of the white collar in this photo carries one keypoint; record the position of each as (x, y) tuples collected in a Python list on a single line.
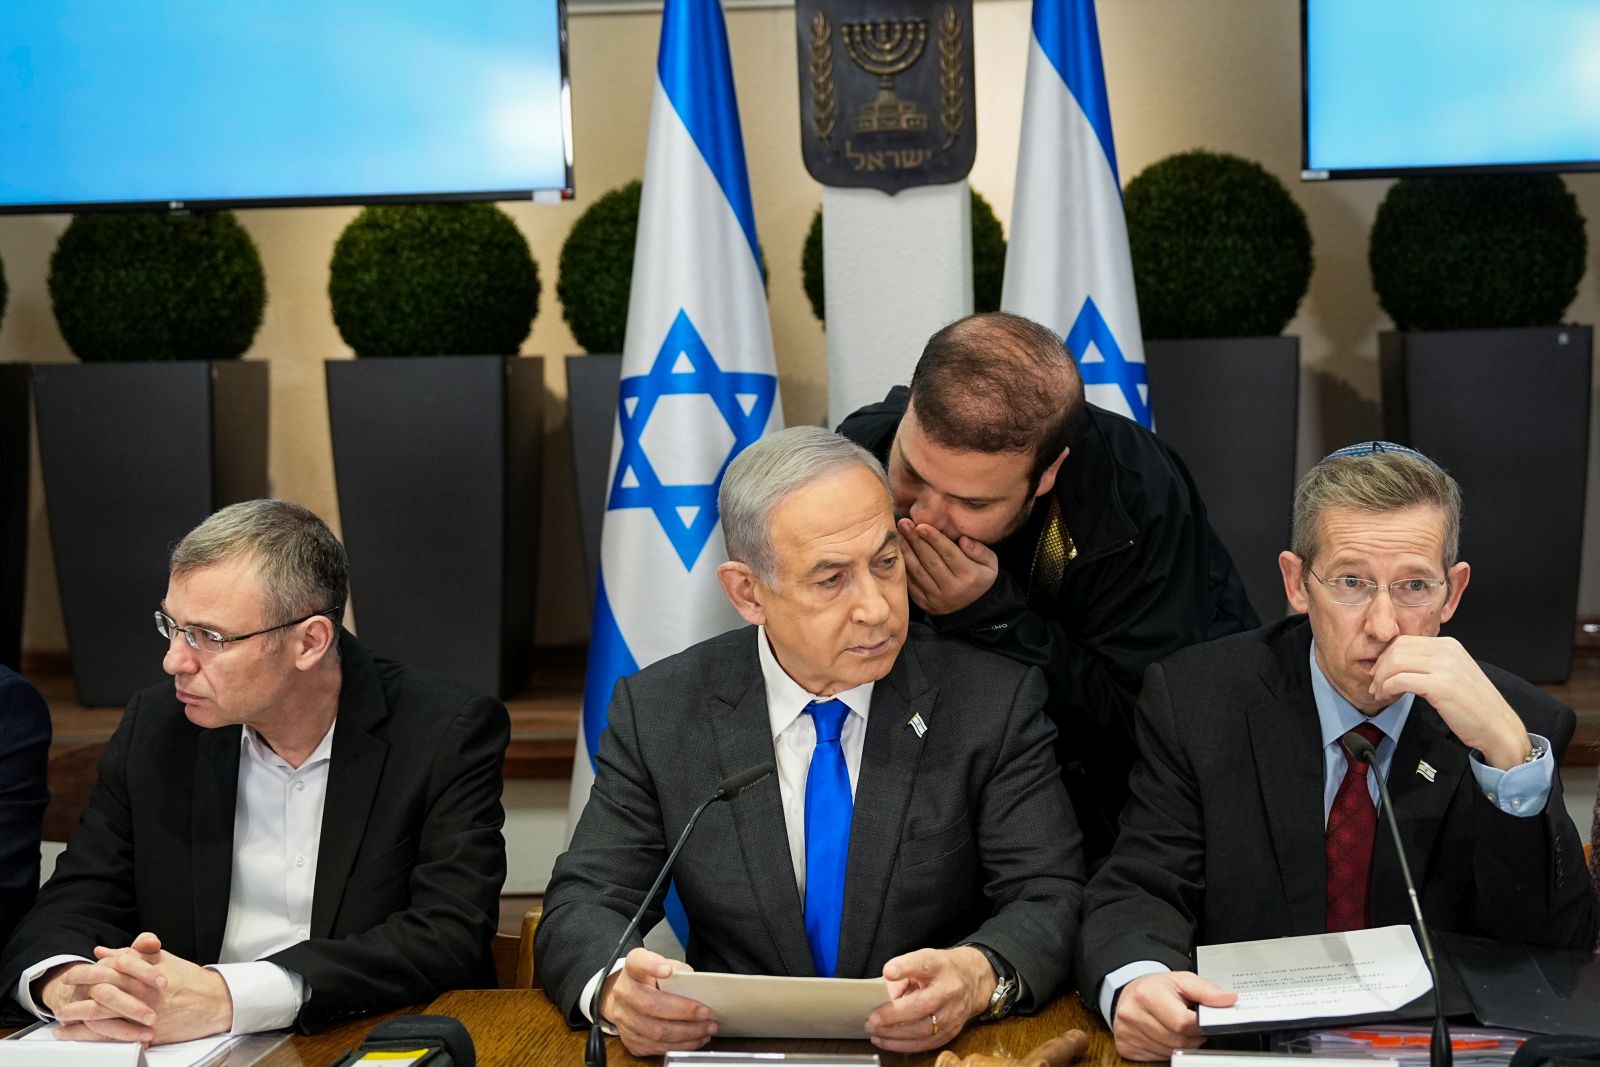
[(787, 699)]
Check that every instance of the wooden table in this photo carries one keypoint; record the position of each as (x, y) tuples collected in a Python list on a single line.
[(521, 1027)]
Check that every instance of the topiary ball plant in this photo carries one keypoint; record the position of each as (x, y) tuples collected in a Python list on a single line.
[(988, 259), (1475, 252), (433, 280), (596, 270), (1219, 247), (142, 286)]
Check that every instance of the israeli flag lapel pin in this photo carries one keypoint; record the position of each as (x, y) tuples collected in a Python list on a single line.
[(1425, 769), (916, 723)]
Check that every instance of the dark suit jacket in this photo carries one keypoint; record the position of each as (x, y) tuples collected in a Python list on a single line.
[(409, 867), (24, 757), (1224, 838), (962, 834)]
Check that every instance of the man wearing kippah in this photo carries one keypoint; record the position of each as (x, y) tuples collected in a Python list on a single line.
[(1250, 820)]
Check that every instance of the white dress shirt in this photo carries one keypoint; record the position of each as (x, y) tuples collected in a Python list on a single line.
[(794, 736), (277, 832)]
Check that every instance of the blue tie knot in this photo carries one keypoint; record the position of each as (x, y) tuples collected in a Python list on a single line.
[(829, 716)]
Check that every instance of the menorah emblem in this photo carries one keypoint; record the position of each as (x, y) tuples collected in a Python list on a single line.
[(884, 49)]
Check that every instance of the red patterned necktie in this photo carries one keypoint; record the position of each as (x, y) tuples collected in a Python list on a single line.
[(1352, 822)]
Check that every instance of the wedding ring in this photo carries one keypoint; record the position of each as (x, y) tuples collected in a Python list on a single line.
[(934, 1019)]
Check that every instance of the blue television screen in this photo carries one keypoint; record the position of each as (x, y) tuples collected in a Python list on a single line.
[(1402, 86), (182, 103)]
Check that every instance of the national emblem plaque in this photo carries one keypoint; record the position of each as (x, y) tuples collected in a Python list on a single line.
[(886, 98)]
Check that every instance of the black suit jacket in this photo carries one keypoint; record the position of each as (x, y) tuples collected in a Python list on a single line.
[(1148, 576), (1224, 838), (409, 867), (24, 757), (962, 834)]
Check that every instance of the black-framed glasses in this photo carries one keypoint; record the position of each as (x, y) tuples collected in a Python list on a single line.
[(203, 640), (1355, 592)]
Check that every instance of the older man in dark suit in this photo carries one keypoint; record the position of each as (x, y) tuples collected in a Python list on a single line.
[(1249, 820), (24, 756), (290, 831), (916, 828)]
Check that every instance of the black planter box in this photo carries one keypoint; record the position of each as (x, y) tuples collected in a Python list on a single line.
[(1507, 413), (14, 448), (135, 455), (592, 422), (1230, 407), (437, 461)]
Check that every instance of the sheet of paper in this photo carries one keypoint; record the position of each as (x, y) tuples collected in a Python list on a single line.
[(1321, 976), (758, 1005), (182, 1054)]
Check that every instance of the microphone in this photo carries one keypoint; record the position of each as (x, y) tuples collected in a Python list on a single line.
[(594, 1053), (1360, 748), (434, 1040)]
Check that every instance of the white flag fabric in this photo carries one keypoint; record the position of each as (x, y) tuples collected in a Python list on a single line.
[(1067, 265), (698, 379)]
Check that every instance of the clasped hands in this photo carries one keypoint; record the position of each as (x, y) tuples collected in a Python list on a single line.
[(139, 993), (947, 985)]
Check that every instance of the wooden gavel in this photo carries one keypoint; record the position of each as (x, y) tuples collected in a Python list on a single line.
[(1057, 1052)]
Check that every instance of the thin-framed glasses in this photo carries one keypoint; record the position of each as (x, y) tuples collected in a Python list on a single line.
[(203, 640), (1406, 593)]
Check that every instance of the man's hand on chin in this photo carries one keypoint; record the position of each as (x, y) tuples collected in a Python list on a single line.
[(143, 993), (945, 576)]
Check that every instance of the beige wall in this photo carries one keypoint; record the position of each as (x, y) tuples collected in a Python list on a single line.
[(1220, 74)]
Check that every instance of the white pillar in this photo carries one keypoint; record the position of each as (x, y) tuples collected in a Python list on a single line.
[(897, 268)]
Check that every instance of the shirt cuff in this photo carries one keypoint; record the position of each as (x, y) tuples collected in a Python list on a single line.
[(1120, 977), (1524, 789), (587, 998), (24, 990), (265, 996)]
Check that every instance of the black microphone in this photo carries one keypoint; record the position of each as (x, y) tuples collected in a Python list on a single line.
[(594, 1054), (434, 1040), (1439, 1048)]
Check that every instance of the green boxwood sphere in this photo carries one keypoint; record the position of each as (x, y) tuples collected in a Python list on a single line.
[(1219, 248), (142, 286), (433, 280), (1479, 251), (988, 259), (596, 270)]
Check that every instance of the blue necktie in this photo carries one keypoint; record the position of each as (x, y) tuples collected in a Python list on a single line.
[(828, 810)]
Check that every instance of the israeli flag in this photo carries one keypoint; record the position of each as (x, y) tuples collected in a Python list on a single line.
[(698, 379), (1067, 265)]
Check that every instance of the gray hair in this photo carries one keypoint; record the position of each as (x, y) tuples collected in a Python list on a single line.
[(764, 474), (1374, 476), (302, 566)]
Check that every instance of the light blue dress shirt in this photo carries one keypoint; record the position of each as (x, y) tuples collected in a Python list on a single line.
[(1521, 791)]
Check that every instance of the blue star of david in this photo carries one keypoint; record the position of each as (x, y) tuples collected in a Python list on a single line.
[(688, 530), (1115, 369)]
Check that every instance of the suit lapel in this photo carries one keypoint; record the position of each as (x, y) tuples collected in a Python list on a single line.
[(215, 797), (1287, 747), (1419, 805), (354, 770), (743, 732), (883, 791)]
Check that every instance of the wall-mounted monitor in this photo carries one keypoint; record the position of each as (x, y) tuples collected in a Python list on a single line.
[(1397, 87), (176, 104)]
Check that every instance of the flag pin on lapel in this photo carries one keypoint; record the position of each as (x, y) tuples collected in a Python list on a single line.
[(916, 723), (1425, 769)]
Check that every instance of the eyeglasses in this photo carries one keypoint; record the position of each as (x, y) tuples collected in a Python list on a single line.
[(203, 640), (1405, 593)]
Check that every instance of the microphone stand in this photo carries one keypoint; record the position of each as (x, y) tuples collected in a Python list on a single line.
[(1439, 1052), (594, 1053)]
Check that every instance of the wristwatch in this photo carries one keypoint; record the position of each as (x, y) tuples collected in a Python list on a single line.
[(1004, 997)]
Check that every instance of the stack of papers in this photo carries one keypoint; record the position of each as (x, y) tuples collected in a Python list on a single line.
[(1410, 1044)]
